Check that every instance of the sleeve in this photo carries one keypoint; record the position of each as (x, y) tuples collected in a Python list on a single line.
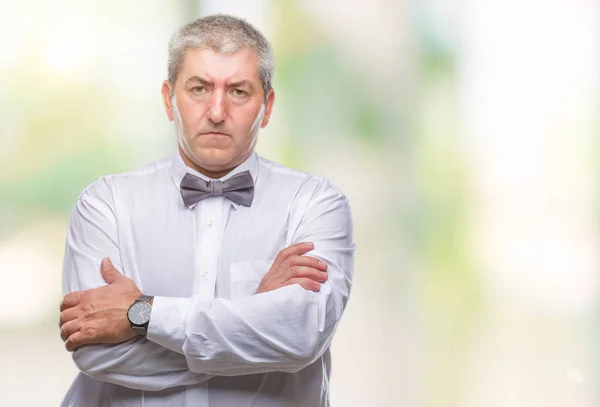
[(282, 330), (138, 363)]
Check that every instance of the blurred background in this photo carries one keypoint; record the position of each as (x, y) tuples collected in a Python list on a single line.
[(477, 269)]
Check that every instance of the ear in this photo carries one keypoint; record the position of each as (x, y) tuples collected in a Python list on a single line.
[(166, 94), (268, 108)]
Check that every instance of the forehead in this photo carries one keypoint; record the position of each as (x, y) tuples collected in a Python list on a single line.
[(220, 67)]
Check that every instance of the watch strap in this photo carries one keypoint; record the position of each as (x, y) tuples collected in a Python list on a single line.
[(140, 330), (145, 298)]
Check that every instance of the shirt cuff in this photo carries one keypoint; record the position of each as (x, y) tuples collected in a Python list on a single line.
[(167, 322)]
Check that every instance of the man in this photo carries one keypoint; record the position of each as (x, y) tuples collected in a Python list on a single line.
[(213, 278)]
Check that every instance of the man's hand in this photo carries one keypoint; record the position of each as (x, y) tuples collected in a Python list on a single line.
[(99, 315), (290, 267)]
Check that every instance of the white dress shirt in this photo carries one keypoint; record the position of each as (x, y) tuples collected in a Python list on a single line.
[(211, 340)]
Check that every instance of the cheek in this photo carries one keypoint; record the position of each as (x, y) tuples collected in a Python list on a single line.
[(246, 119), (191, 115)]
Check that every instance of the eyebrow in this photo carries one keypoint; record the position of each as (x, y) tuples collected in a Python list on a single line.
[(241, 83), (195, 78), (205, 82)]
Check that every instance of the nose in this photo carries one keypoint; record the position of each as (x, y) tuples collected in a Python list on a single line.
[(217, 111)]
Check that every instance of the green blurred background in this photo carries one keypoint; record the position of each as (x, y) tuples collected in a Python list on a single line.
[(475, 122)]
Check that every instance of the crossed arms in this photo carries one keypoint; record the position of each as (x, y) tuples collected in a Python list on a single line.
[(286, 326)]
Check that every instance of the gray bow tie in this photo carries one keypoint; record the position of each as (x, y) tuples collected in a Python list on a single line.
[(239, 189)]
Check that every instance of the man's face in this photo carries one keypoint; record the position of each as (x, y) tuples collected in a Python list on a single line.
[(218, 108)]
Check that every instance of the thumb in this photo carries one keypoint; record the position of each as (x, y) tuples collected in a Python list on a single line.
[(109, 272)]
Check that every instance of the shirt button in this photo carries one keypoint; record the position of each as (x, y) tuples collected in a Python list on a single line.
[(210, 223), (205, 276)]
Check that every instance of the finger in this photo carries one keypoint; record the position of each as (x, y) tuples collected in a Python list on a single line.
[(74, 341), (307, 272), (109, 272), (70, 300), (307, 261), (68, 329), (305, 283), (79, 338), (68, 315), (295, 249)]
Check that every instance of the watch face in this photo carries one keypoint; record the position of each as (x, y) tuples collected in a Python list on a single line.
[(139, 313)]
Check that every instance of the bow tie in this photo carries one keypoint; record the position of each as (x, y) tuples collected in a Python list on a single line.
[(239, 189)]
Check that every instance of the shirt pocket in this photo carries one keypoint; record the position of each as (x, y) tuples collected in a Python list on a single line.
[(246, 276)]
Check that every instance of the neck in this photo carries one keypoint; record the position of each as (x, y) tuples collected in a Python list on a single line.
[(214, 174)]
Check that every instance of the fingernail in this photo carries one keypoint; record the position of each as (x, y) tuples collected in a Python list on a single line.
[(322, 264), (310, 244), (109, 261)]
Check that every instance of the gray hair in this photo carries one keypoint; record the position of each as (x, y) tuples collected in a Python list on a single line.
[(225, 34)]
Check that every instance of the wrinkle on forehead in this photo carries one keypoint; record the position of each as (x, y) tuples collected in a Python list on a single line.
[(218, 67)]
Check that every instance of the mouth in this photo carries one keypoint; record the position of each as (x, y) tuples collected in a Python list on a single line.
[(214, 134)]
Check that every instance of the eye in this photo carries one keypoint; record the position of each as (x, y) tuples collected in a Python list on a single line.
[(198, 89), (239, 92)]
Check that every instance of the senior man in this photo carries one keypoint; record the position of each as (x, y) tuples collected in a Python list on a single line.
[(214, 277)]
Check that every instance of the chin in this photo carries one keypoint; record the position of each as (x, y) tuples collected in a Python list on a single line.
[(214, 157)]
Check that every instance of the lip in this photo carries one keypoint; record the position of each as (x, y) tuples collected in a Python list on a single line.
[(214, 134)]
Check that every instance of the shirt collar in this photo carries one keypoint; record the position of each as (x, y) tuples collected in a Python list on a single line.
[(179, 169)]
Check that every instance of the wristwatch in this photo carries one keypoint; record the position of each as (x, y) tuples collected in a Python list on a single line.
[(139, 314)]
